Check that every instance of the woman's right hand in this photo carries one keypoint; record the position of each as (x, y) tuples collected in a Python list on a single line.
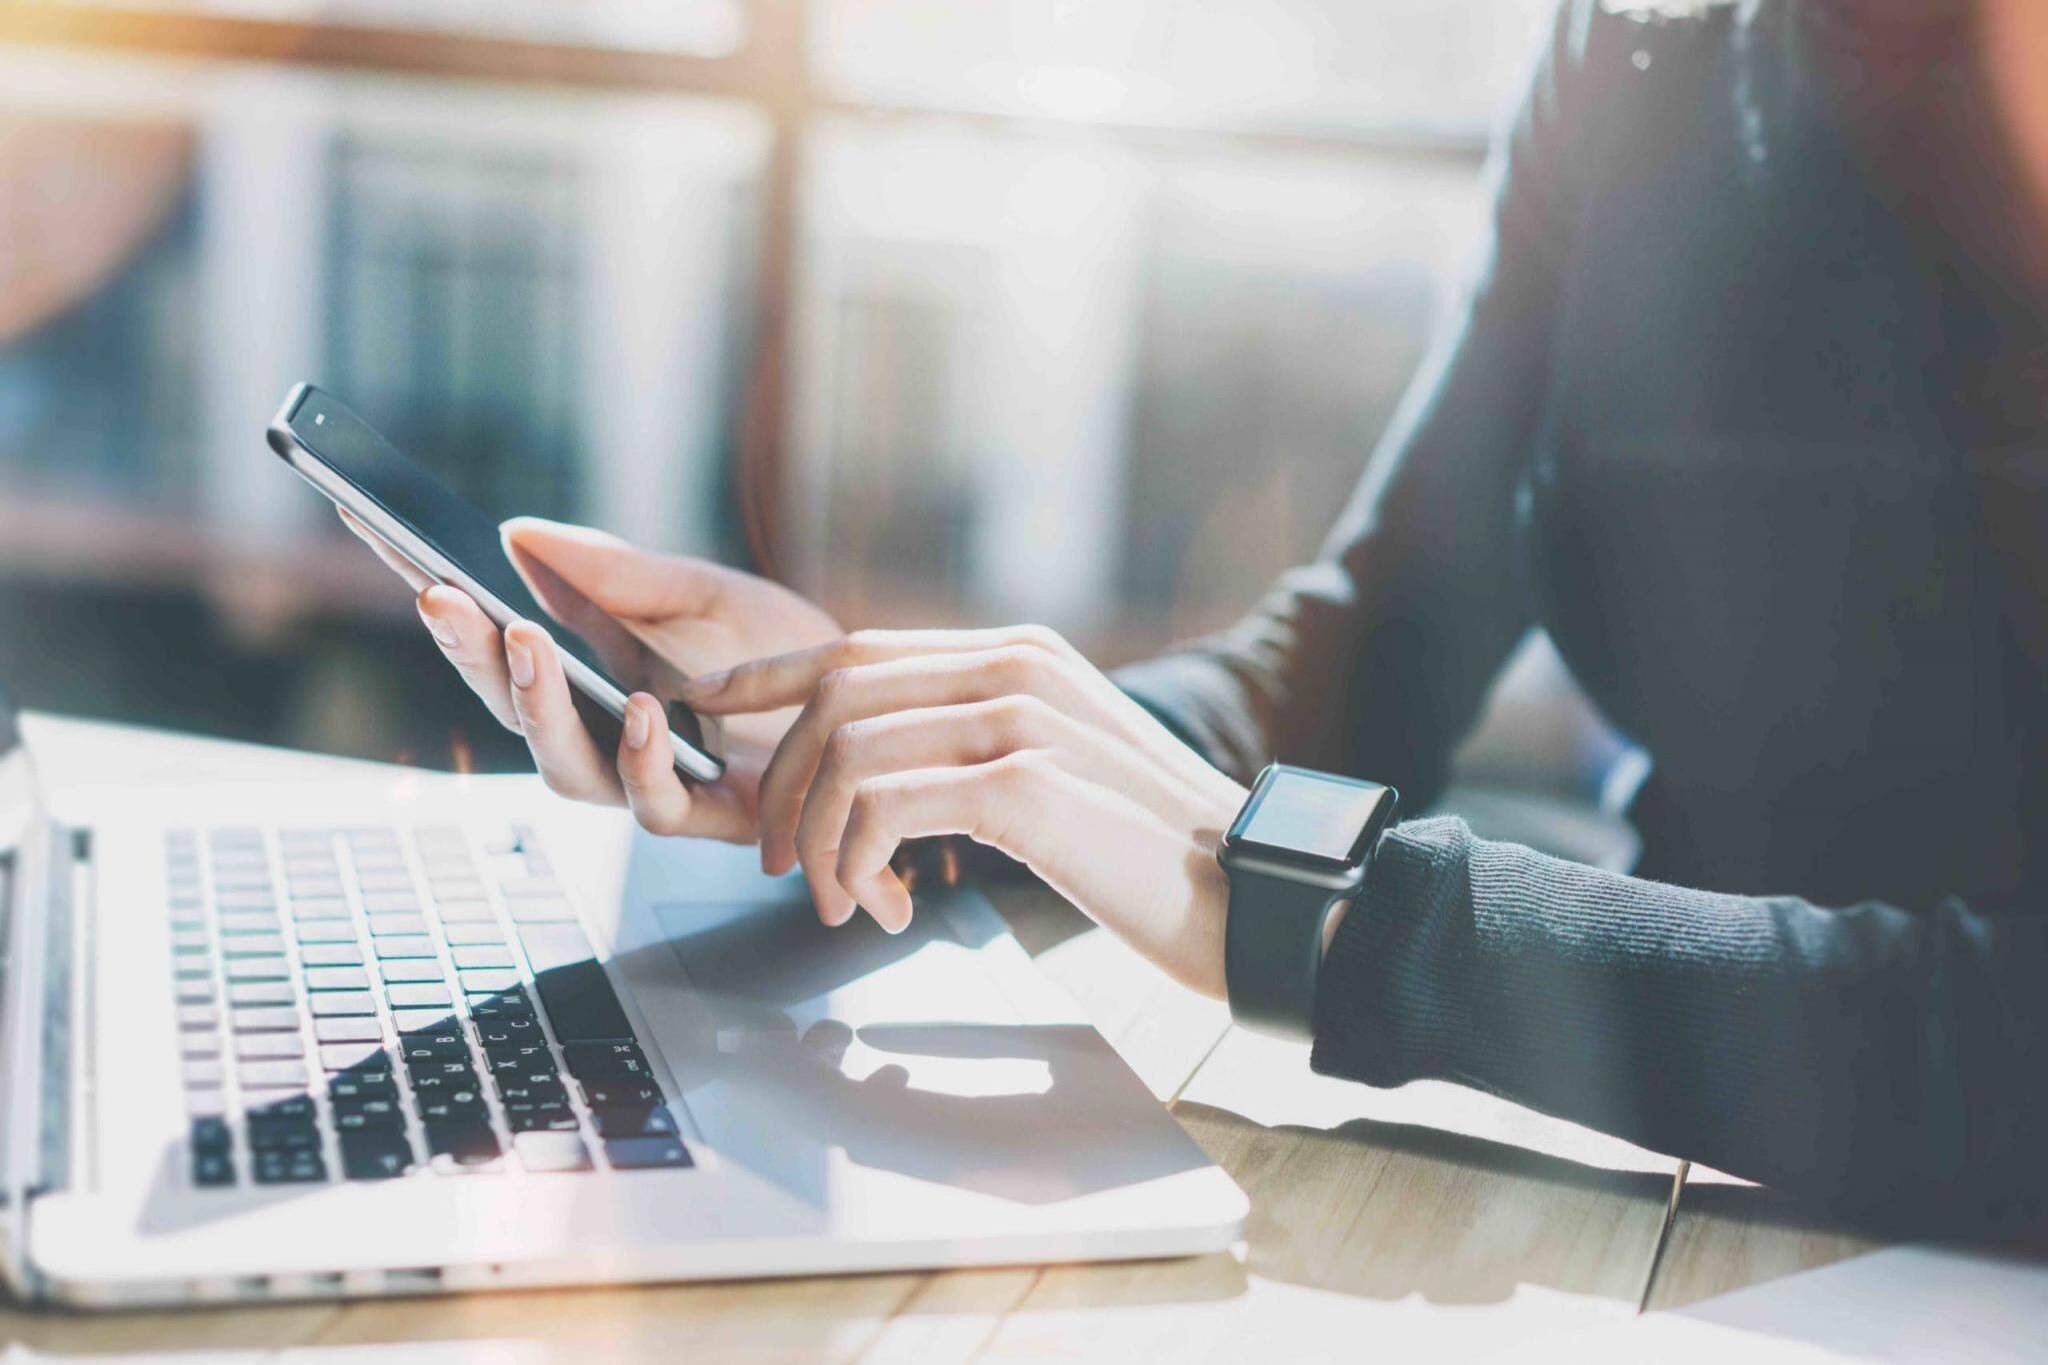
[(692, 614)]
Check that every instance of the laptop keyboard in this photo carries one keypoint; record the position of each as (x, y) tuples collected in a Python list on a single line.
[(365, 1003)]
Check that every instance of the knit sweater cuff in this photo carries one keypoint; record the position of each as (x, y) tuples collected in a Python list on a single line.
[(1397, 983)]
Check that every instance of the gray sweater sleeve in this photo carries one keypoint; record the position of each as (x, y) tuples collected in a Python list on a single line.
[(1870, 1057), (1375, 657), (1863, 1054)]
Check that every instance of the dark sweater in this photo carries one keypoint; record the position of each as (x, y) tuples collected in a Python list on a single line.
[(1762, 448)]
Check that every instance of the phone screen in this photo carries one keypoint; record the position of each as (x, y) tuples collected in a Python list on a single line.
[(468, 538)]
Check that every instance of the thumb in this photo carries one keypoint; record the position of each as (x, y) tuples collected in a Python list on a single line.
[(620, 578)]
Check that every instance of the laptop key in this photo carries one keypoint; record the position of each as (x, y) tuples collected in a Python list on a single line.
[(198, 1017), (327, 1004), (327, 931), (541, 1119), (645, 1153), (251, 945), (455, 1110), (236, 923), (205, 1104), (193, 1046), (530, 1090), (320, 908), (465, 912), (543, 912), (211, 1135), (213, 1168), (506, 1005), (376, 1155), (330, 955), (280, 1106), (489, 980), (348, 1029), (337, 979), (580, 1001), (357, 1088), (538, 1076), (396, 925), (484, 955), (500, 1032), (276, 968), (631, 1123), (441, 1073), (284, 1135), (288, 1168), (465, 1143), (267, 1019), (621, 1094), (469, 935), (262, 1046), (543, 1152), (407, 945), (602, 1060), (411, 969), (263, 993), (356, 1059), (420, 995), (257, 1074), (419, 1049), (428, 1023), (368, 1116)]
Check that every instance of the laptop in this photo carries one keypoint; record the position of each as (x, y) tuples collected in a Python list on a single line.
[(391, 1032)]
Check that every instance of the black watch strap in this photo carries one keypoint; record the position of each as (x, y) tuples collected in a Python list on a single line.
[(1273, 951)]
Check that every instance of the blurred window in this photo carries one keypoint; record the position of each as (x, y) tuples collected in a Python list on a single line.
[(1340, 67), (1082, 312), (1100, 324)]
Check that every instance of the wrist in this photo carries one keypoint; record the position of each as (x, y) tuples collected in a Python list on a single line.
[(1334, 921), (1296, 857)]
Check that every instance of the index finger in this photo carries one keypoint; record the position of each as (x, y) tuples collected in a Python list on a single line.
[(393, 560), (789, 679)]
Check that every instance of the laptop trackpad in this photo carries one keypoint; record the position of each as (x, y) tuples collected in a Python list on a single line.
[(771, 966), (828, 1047)]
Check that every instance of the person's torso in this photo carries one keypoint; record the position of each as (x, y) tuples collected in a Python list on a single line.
[(1756, 519)]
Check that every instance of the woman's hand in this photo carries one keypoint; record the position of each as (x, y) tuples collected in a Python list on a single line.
[(657, 614), (1009, 737)]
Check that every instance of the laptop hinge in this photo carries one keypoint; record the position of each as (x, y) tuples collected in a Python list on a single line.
[(35, 1037)]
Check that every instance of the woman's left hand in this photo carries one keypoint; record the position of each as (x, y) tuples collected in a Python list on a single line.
[(1009, 737)]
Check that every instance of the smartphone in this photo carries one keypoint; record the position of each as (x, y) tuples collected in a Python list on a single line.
[(450, 540)]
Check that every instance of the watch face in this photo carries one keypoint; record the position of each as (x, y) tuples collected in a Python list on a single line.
[(1311, 816)]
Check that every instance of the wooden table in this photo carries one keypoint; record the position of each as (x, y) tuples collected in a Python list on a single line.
[(1390, 1224)]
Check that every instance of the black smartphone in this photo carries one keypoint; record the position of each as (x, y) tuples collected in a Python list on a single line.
[(452, 541)]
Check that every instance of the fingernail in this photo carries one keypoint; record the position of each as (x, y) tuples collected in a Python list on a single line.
[(519, 659), (438, 629), (638, 728)]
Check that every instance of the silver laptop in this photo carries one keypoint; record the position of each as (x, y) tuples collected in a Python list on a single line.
[(416, 1033)]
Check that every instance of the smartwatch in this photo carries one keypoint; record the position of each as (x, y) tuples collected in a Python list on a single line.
[(1297, 850)]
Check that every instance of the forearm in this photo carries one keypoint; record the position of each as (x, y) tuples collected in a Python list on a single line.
[(1867, 1056)]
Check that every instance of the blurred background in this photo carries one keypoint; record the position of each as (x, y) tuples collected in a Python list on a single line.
[(943, 312)]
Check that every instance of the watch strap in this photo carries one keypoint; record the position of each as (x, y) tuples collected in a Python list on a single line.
[(1273, 951)]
